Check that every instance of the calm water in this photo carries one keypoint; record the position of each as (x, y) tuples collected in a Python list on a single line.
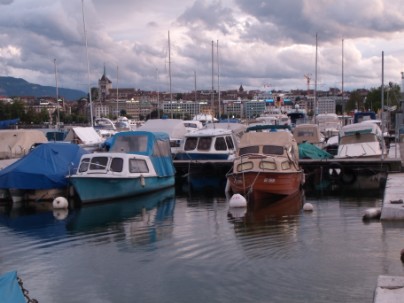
[(191, 248)]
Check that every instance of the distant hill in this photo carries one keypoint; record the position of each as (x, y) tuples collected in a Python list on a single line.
[(15, 87)]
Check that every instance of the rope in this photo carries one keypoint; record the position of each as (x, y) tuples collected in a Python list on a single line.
[(25, 292)]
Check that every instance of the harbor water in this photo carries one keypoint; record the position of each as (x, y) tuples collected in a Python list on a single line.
[(191, 247)]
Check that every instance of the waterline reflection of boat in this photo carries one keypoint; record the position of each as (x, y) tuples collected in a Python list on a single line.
[(273, 207)]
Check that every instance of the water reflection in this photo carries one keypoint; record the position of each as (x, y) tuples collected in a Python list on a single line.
[(119, 217), (275, 207)]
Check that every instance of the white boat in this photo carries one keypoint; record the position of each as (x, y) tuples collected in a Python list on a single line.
[(85, 137), (138, 162), (175, 129), (329, 124), (16, 143), (309, 133), (208, 154), (361, 140), (208, 144)]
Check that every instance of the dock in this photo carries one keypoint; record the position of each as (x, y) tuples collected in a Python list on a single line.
[(390, 289)]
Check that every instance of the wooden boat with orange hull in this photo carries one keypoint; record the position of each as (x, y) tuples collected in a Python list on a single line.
[(267, 163)]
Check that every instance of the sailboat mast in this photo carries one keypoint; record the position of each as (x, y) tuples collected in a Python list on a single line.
[(342, 74), (88, 66), (218, 77), (315, 80), (117, 95), (57, 94), (169, 74), (212, 101)]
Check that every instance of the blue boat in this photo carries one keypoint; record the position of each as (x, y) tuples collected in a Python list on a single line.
[(11, 290), (138, 162), (41, 174)]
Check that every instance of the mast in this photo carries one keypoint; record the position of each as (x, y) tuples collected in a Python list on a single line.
[(117, 109), (212, 101), (218, 77), (57, 94), (382, 97), (195, 92), (315, 81), (88, 67), (342, 75), (169, 74)]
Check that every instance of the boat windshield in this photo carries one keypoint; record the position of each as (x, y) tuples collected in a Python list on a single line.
[(130, 144), (272, 150), (358, 138)]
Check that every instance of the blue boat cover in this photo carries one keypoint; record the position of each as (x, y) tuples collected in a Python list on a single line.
[(157, 147), (45, 167), (10, 290), (6, 123)]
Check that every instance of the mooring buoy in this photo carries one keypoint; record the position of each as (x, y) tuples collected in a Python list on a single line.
[(60, 203)]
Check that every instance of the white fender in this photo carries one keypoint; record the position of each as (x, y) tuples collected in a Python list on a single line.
[(308, 207), (60, 203), (237, 200)]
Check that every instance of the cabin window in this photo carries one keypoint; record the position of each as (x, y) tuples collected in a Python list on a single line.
[(268, 165), (138, 166), (220, 144), (129, 144), (116, 165), (162, 148), (190, 143), (249, 150), (84, 165), (204, 143), (245, 166), (272, 150), (99, 163), (229, 142), (285, 165)]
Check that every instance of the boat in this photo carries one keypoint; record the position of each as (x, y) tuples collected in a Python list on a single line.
[(309, 133), (12, 289), (361, 140), (175, 129), (329, 124), (208, 144), (41, 174), (138, 162), (267, 163), (85, 137), (16, 143), (206, 155)]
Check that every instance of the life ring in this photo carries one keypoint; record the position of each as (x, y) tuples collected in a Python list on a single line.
[(348, 176)]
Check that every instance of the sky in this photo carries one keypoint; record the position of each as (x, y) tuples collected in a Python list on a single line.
[(259, 44)]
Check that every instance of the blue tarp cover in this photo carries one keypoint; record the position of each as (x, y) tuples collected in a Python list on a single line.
[(45, 167), (6, 123), (10, 290), (310, 151)]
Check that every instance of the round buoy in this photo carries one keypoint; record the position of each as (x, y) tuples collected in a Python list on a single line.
[(60, 203), (237, 200), (308, 207), (60, 214), (372, 213)]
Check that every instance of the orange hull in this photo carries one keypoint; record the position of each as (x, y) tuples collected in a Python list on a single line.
[(262, 184)]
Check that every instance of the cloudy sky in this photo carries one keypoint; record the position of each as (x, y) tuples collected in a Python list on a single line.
[(262, 44)]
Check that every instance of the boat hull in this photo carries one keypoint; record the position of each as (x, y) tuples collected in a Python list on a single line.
[(106, 188), (263, 184)]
